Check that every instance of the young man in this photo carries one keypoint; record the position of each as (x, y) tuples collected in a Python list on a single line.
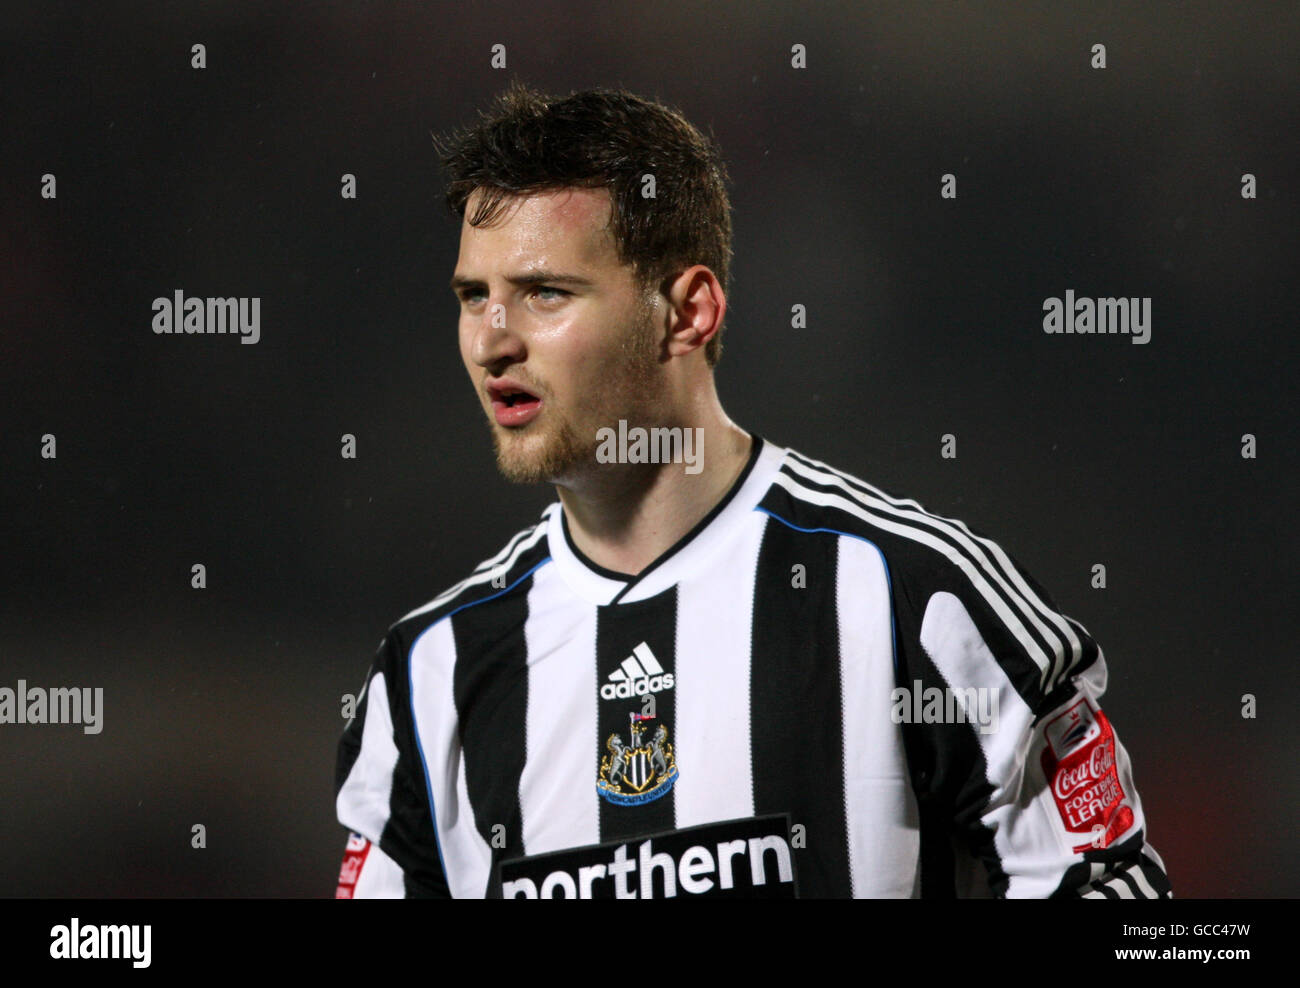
[(715, 666)]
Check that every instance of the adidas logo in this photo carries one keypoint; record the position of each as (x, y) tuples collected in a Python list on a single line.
[(639, 674)]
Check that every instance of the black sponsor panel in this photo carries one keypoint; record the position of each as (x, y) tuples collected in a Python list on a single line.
[(634, 768), (737, 859), (797, 730)]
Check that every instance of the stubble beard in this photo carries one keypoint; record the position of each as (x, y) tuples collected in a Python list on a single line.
[(554, 449)]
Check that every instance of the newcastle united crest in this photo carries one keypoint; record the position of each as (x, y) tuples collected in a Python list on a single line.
[(641, 771)]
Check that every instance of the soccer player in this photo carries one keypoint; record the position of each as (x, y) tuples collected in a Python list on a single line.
[(714, 666)]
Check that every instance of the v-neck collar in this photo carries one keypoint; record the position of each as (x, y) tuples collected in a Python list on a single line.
[(601, 585)]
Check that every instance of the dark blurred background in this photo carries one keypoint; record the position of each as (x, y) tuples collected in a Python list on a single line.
[(222, 706)]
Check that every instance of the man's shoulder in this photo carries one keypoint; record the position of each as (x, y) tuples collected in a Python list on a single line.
[(946, 577), (913, 541), (498, 575)]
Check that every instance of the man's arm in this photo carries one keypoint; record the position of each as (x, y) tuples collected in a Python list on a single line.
[(381, 795), (1034, 783)]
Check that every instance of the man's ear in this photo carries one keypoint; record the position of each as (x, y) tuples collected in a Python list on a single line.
[(698, 307)]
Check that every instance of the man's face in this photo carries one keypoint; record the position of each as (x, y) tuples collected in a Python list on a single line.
[(547, 309)]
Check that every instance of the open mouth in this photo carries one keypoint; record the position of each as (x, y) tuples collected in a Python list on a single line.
[(513, 398), (512, 405)]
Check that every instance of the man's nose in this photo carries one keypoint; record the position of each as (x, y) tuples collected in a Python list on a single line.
[(495, 338)]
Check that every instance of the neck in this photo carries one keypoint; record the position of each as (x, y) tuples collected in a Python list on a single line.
[(626, 515)]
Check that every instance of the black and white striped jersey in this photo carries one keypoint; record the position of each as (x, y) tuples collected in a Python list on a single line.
[(821, 690)]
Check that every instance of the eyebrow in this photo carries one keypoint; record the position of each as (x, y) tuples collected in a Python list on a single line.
[(533, 276)]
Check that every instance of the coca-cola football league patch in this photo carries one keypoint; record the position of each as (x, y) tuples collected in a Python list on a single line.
[(354, 859), (1079, 764)]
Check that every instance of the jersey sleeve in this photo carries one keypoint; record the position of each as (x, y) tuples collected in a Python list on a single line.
[(381, 795), (1015, 764)]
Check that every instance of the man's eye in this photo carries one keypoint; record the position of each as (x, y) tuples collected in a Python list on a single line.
[(469, 296)]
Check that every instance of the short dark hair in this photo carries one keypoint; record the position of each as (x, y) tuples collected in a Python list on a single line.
[(603, 138)]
